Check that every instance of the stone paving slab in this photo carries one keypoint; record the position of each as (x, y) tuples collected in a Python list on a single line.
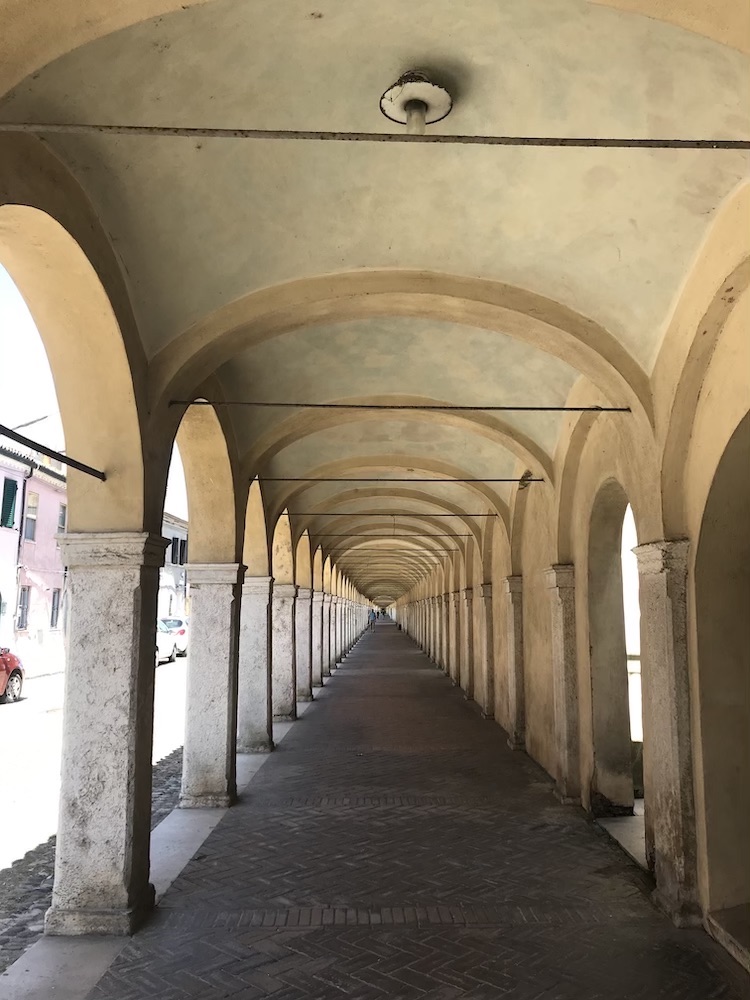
[(393, 846)]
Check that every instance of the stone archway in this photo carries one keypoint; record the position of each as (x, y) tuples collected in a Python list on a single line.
[(612, 791), (722, 594)]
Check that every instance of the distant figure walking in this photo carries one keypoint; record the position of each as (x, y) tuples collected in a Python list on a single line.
[(371, 619)]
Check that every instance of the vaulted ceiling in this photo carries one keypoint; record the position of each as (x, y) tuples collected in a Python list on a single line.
[(496, 275)]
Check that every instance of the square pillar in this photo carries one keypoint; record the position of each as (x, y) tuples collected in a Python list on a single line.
[(561, 584), (303, 643), (208, 758), (466, 610), (667, 753), (254, 722), (102, 857), (455, 636), (486, 693), (326, 645), (516, 678), (444, 632), (283, 666), (317, 639)]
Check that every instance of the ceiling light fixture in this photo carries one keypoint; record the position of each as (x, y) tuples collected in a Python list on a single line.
[(415, 101)]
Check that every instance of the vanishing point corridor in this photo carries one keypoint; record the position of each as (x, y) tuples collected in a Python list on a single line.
[(393, 846)]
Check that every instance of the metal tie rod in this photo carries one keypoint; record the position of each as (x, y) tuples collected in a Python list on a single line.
[(447, 482), (363, 513), (439, 407), (58, 456), (207, 132)]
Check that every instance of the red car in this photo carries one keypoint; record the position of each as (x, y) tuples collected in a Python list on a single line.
[(11, 676)]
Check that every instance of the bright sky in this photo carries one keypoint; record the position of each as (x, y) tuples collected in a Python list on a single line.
[(27, 390)]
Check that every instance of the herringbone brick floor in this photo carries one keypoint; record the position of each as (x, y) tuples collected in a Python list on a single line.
[(393, 847)]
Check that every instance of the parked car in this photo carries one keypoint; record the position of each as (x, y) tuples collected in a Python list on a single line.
[(11, 676), (179, 629), (166, 647)]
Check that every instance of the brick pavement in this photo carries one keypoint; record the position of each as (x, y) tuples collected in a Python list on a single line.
[(394, 847)]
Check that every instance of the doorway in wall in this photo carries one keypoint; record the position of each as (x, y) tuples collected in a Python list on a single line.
[(722, 594)]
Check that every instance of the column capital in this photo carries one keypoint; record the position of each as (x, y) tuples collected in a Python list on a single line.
[(260, 585), (304, 593), (662, 556), (327, 597), (284, 590), (561, 576), (513, 585), (468, 594), (112, 549), (207, 574), (486, 590), (317, 597)]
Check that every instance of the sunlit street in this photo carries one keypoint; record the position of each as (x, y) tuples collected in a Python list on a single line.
[(30, 744)]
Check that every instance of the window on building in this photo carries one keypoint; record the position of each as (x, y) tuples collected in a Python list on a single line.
[(8, 514), (62, 518), (55, 613), (183, 551), (174, 556), (32, 509), (23, 608)]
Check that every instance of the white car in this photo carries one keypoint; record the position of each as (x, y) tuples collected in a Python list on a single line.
[(179, 629), (166, 647)]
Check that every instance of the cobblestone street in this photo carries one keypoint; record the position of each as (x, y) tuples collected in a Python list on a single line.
[(393, 846), (26, 887)]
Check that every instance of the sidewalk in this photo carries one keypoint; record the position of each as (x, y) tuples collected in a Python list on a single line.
[(394, 847)]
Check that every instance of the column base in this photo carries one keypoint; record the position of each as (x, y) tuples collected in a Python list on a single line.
[(262, 746), (516, 741), (565, 799), (207, 801), (318, 684), (60, 922), (304, 697), (291, 717), (682, 912)]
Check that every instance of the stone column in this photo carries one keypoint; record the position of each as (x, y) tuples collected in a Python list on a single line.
[(516, 691), (283, 671), (340, 611), (444, 634), (254, 724), (317, 639), (208, 757), (667, 757), (561, 584), (486, 695), (455, 614), (467, 643), (303, 643), (335, 614), (326, 637), (102, 855)]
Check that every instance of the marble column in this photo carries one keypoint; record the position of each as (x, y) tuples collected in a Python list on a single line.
[(561, 584), (516, 690), (283, 670), (317, 639), (444, 635), (208, 757), (102, 856), (254, 716), (667, 754), (326, 635), (334, 642), (303, 643), (455, 653), (467, 642), (486, 694)]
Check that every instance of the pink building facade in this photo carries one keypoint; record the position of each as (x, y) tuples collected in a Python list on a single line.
[(31, 570)]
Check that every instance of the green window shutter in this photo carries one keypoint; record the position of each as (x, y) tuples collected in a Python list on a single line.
[(8, 514)]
